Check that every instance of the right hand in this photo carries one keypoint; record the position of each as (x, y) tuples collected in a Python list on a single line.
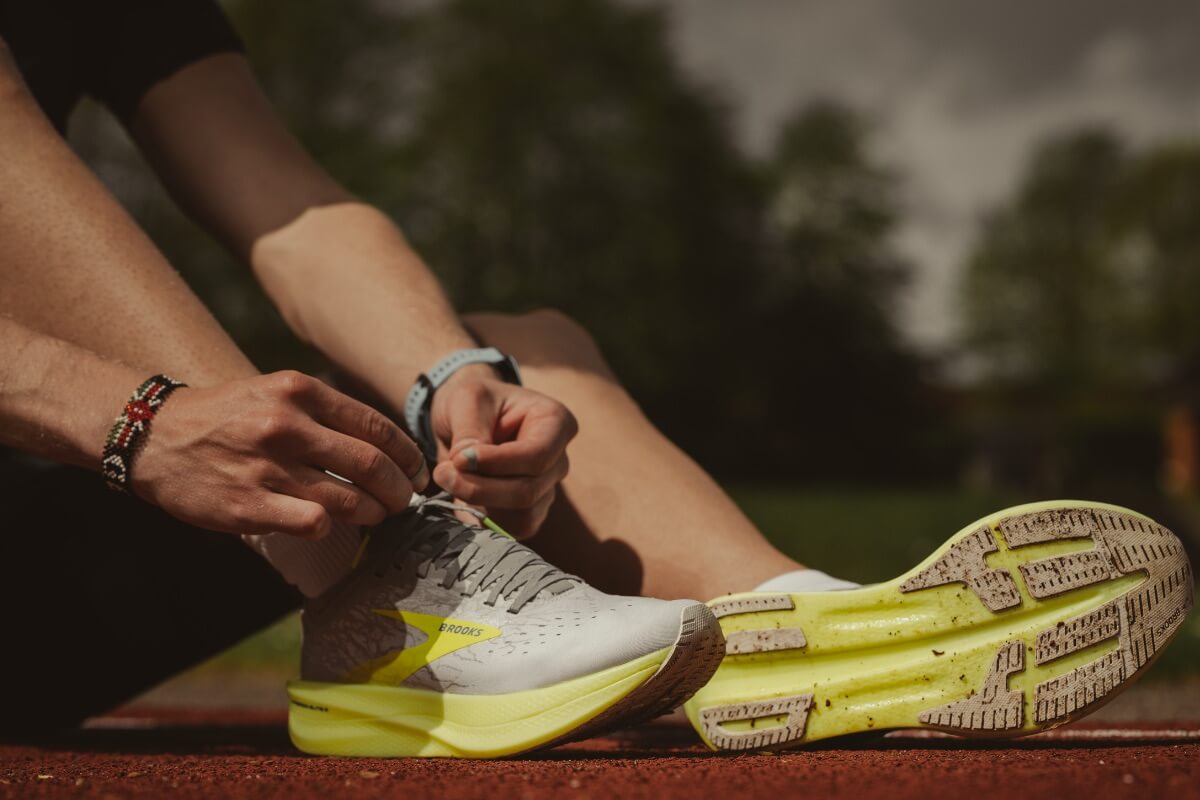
[(249, 456)]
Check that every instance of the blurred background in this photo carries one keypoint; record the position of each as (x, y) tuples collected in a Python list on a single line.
[(881, 267)]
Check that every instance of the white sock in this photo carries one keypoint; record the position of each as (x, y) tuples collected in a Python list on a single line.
[(805, 580), (311, 566)]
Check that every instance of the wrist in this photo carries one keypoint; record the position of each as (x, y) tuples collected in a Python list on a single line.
[(130, 431), (472, 373), (462, 367)]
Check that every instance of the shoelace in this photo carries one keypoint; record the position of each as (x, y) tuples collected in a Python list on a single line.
[(477, 558)]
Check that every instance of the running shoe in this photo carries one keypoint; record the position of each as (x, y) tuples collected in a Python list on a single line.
[(453, 639), (1023, 621)]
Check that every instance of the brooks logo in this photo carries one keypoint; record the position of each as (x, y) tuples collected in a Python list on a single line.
[(465, 630), (1170, 621)]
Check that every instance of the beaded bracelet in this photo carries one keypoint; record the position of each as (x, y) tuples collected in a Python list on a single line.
[(128, 434)]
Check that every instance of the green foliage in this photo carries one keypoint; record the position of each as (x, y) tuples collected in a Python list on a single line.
[(1157, 252), (558, 158), (339, 73), (1040, 286), (862, 535), (1086, 277), (843, 389), (833, 209), (1079, 304)]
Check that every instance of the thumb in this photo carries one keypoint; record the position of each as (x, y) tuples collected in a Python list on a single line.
[(471, 419)]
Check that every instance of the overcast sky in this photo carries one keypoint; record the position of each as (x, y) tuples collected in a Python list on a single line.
[(958, 91)]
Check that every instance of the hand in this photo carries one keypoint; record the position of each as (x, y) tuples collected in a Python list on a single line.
[(504, 447), (250, 456)]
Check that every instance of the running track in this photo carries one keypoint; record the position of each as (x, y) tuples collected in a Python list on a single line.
[(240, 754)]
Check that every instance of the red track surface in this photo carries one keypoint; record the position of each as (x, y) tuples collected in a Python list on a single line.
[(244, 755)]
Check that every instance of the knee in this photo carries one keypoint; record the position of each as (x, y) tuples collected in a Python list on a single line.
[(559, 338), (539, 337), (553, 325)]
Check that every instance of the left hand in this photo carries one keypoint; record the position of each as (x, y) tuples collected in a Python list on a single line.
[(501, 446)]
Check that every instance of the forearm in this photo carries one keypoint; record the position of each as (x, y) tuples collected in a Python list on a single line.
[(347, 281), (75, 266), (58, 401), (339, 271)]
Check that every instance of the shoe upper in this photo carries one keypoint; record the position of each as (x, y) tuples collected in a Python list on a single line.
[(438, 604)]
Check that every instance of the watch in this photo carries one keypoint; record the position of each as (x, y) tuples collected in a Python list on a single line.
[(419, 402)]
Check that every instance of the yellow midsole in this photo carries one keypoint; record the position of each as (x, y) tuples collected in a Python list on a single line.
[(384, 721)]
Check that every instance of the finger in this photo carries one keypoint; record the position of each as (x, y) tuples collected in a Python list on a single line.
[(343, 500), (362, 464), (522, 492), (294, 516), (540, 442), (421, 480), (346, 415), (524, 524), (470, 417)]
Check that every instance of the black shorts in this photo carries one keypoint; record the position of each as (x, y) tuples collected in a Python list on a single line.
[(103, 596)]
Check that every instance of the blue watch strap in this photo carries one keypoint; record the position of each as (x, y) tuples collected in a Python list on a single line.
[(420, 398)]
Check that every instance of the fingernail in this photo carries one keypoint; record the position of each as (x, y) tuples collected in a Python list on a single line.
[(472, 458), (421, 479)]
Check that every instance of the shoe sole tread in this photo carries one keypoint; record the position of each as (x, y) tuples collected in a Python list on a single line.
[(1024, 621)]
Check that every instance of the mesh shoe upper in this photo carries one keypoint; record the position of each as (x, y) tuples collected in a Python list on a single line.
[(438, 604)]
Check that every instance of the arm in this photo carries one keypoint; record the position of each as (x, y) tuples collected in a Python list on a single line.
[(76, 267), (214, 455), (241, 452), (321, 255), (346, 280)]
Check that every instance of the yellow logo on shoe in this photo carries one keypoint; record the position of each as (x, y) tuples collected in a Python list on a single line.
[(442, 637)]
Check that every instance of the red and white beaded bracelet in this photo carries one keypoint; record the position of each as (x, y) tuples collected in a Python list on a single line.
[(128, 434)]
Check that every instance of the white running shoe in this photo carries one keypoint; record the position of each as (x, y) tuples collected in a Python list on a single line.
[(449, 639)]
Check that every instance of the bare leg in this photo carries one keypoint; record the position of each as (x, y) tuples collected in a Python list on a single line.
[(636, 515)]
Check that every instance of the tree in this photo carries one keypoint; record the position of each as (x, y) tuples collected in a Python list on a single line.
[(1087, 277), (849, 394), (1079, 300), (558, 157), (1040, 286), (1156, 253)]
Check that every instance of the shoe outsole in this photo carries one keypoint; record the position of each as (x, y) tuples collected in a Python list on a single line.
[(390, 721), (1023, 621)]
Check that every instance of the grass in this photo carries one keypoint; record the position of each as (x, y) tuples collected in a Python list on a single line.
[(864, 535)]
